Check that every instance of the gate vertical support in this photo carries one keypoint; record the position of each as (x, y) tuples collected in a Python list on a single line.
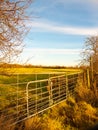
[(88, 78), (49, 89), (67, 93), (50, 85), (59, 87), (27, 95), (17, 93), (36, 98)]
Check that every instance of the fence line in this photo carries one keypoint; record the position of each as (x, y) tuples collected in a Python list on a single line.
[(33, 97)]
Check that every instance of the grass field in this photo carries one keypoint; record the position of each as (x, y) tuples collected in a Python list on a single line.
[(24, 75), (9, 80), (78, 113), (25, 70), (14, 75), (16, 79)]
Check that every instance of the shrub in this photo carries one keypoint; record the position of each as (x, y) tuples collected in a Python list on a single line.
[(33, 123), (89, 95), (52, 124), (5, 123)]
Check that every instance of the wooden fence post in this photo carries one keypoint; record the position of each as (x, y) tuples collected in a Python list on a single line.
[(88, 78)]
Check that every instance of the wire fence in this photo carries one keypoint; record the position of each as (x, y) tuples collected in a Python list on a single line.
[(19, 101)]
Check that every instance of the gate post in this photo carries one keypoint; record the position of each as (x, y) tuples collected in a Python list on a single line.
[(17, 92), (27, 95), (50, 84), (67, 92), (88, 78)]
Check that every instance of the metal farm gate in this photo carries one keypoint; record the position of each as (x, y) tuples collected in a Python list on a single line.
[(36, 97)]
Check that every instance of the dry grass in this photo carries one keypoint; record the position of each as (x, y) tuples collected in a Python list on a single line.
[(5, 124), (34, 123), (89, 95), (77, 113)]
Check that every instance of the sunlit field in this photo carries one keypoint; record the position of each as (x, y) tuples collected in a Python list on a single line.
[(25, 70), (13, 82), (11, 77), (24, 74)]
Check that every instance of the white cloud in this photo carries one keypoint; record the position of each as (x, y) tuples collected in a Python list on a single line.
[(94, 2), (91, 5), (51, 27), (51, 51), (46, 56)]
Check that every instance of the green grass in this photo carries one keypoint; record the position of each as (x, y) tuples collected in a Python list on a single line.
[(75, 113), (25, 70), (14, 75), (23, 75)]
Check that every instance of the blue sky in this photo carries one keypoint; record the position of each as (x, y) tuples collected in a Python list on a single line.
[(58, 31)]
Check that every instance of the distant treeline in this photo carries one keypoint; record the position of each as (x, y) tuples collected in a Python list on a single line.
[(6, 65)]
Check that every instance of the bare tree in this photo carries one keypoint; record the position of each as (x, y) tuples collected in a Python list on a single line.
[(90, 58), (90, 52), (12, 28)]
